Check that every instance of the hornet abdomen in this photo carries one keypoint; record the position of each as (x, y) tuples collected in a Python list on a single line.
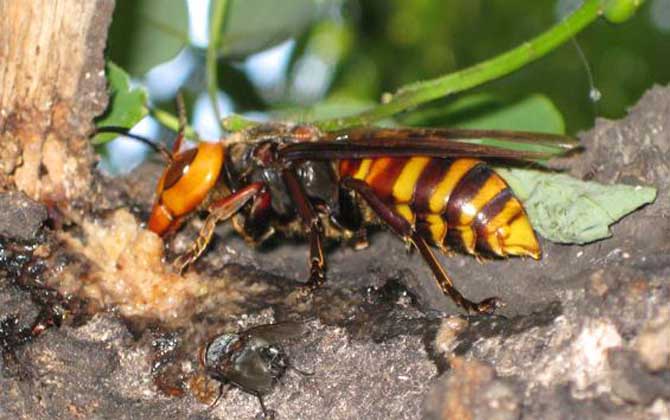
[(455, 203)]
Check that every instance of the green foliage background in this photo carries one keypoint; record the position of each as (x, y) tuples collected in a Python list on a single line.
[(371, 48), (376, 46), (400, 41)]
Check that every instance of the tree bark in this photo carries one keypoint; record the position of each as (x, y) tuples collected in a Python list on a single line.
[(52, 85)]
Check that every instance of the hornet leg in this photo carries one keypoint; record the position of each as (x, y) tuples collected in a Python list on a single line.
[(403, 228), (317, 261), (219, 211)]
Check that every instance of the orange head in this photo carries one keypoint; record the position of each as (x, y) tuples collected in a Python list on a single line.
[(185, 184)]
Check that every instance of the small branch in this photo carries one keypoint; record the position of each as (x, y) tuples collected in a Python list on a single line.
[(418, 93)]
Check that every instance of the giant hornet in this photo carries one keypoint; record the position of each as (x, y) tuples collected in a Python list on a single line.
[(429, 186)]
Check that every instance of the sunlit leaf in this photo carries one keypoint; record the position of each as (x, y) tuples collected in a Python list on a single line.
[(534, 113), (331, 107), (567, 210), (254, 25), (127, 106), (483, 111), (145, 33)]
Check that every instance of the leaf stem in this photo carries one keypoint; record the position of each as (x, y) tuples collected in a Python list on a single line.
[(172, 122), (418, 93), (236, 122), (216, 24)]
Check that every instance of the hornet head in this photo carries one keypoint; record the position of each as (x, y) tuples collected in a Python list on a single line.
[(185, 184)]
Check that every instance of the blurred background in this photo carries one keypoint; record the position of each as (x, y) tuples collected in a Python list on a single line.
[(302, 59)]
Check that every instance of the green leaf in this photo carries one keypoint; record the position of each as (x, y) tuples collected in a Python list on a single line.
[(145, 33), (327, 108), (566, 210), (127, 106), (534, 113), (484, 111), (254, 25), (330, 107)]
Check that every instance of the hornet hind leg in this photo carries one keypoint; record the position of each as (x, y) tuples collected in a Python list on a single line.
[(317, 261), (403, 228)]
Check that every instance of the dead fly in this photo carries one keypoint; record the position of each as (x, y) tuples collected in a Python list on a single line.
[(251, 360)]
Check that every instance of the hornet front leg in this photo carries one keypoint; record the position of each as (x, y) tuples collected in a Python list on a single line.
[(219, 211)]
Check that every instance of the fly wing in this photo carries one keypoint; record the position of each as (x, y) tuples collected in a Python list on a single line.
[(435, 142), (251, 376), (276, 333)]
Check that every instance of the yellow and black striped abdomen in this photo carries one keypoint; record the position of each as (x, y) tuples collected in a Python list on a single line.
[(455, 203)]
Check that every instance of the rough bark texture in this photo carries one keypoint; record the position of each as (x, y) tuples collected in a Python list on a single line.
[(52, 85), (586, 334)]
